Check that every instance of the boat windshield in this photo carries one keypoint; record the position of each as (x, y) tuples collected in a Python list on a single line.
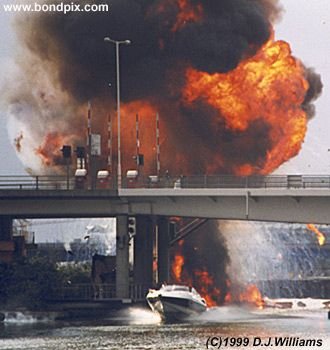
[(176, 288), (194, 291)]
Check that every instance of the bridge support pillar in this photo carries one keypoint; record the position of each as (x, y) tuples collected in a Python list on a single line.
[(143, 251), (7, 246), (163, 249), (6, 228), (122, 263)]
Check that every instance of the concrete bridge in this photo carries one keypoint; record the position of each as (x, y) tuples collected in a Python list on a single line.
[(293, 198)]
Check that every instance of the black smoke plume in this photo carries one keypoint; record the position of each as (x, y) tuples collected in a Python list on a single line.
[(205, 250), (231, 30), (67, 63)]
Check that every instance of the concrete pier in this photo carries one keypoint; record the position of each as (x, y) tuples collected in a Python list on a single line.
[(7, 246), (122, 256), (6, 228), (143, 251), (163, 249)]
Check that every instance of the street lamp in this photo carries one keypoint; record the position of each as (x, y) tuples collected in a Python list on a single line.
[(117, 43)]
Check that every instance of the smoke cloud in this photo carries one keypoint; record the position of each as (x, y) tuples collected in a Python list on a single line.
[(64, 63), (205, 262), (74, 43)]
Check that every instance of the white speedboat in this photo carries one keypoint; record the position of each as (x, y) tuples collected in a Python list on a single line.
[(175, 302)]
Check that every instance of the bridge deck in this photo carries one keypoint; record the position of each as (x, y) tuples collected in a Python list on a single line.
[(296, 198)]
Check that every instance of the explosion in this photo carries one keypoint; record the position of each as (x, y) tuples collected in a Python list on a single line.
[(50, 150), (199, 277), (266, 89), (231, 99), (195, 263), (253, 296), (320, 236)]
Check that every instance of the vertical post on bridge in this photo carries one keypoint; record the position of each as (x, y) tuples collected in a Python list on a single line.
[(109, 160), (157, 145), (89, 144)]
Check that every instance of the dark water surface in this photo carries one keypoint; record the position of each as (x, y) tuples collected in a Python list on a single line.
[(140, 329)]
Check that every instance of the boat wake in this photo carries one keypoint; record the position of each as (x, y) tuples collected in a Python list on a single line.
[(18, 317), (138, 315), (276, 308)]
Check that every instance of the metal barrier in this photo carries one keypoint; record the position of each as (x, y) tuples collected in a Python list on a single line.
[(230, 182), (174, 182), (52, 182)]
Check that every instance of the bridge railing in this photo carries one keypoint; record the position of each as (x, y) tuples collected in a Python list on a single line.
[(176, 182), (228, 181), (44, 182)]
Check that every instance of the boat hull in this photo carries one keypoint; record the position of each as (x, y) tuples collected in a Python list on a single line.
[(175, 309)]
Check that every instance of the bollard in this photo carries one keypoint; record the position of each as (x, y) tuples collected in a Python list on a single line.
[(103, 179), (132, 177), (80, 179)]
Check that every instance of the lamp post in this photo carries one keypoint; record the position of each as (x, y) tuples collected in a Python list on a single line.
[(117, 43)]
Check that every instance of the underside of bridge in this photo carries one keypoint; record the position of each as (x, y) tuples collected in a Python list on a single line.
[(150, 242)]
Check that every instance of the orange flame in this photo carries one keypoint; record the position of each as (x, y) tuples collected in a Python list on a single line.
[(177, 266), (154, 266), (252, 295), (204, 284), (50, 149), (201, 279), (178, 263), (187, 13), (228, 297), (268, 86), (320, 236), (206, 287)]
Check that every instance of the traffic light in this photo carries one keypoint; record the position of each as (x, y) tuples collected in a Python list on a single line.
[(131, 226), (66, 151), (140, 159), (80, 152)]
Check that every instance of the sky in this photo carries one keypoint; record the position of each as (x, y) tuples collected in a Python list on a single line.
[(305, 25), (9, 163)]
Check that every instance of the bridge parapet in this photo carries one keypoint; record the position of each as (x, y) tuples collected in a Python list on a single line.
[(60, 183), (292, 198), (43, 182)]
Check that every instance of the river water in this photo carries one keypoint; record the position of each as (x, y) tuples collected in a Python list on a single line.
[(138, 328)]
